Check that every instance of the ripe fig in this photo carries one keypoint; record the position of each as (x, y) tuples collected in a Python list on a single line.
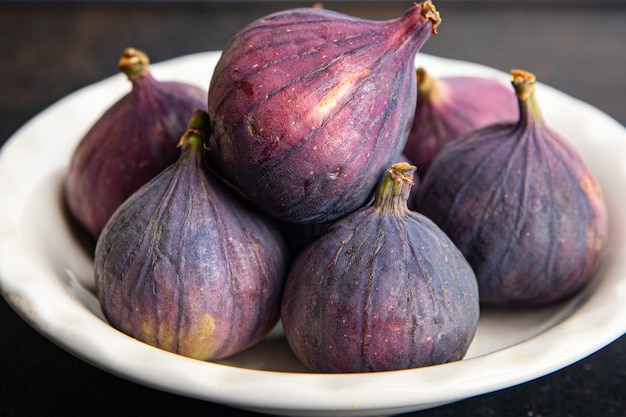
[(186, 265), (381, 289), (130, 143), (521, 205), (448, 107), (303, 99)]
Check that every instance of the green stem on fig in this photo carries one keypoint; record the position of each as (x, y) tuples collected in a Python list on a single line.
[(524, 84), (198, 131), (425, 82), (394, 189), (134, 63)]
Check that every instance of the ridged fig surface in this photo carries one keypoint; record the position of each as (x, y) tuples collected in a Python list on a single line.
[(303, 99), (382, 289), (130, 143), (448, 107), (521, 205), (186, 266)]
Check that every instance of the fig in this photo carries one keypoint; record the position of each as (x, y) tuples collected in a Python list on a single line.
[(521, 205), (131, 142), (186, 265), (303, 99), (448, 107), (381, 289)]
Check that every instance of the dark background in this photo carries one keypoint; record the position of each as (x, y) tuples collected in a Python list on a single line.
[(49, 49)]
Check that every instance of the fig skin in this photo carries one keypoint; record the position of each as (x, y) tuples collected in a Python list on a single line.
[(448, 107), (130, 143), (187, 266), (382, 289), (521, 205), (303, 99)]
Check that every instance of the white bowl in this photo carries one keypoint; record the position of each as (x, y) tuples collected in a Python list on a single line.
[(46, 275)]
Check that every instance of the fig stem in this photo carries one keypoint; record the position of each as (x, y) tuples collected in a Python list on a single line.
[(134, 63), (430, 12), (524, 83), (198, 131), (425, 82), (393, 191), (417, 19)]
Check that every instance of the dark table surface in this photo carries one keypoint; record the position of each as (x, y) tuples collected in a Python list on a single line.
[(49, 49)]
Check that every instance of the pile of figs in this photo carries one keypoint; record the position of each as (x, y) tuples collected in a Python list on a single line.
[(325, 181)]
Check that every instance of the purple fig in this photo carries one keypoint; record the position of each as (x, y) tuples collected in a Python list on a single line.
[(130, 143), (303, 99), (448, 107), (381, 289), (521, 205), (186, 265)]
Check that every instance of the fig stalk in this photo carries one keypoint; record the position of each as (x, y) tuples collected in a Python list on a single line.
[(394, 190), (134, 63), (524, 84)]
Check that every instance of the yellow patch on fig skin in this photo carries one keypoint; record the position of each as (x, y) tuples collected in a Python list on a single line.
[(591, 188), (157, 335), (147, 332), (196, 343), (335, 96)]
